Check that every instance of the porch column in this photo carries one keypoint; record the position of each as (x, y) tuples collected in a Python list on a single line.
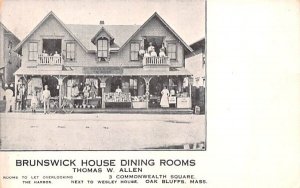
[(16, 91), (147, 81), (103, 80), (60, 84), (190, 90)]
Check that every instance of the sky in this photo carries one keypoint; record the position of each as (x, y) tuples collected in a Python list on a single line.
[(186, 17)]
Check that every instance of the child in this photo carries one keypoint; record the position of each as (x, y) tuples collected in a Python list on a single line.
[(34, 102)]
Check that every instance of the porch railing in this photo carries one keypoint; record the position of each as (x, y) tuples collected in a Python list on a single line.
[(156, 61), (50, 60)]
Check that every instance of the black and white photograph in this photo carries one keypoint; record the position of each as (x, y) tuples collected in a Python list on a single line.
[(149, 93), (103, 75)]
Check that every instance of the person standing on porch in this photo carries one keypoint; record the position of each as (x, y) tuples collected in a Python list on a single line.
[(9, 99), (46, 98), (34, 102), (164, 102)]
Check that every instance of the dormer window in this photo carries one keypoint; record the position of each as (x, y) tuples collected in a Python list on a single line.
[(102, 47)]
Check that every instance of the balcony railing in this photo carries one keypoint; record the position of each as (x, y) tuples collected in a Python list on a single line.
[(50, 60), (156, 61)]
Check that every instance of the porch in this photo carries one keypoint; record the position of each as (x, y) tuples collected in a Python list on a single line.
[(121, 111)]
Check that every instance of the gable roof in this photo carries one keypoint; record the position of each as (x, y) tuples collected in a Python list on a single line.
[(121, 34), (85, 33), (45, 18), (199, 44), (198, 47), (8, 31), (187, 47)]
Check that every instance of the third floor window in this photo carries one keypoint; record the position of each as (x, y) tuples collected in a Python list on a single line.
[(102, 48)]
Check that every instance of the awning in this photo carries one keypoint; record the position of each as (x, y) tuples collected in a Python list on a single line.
[(104, 71)]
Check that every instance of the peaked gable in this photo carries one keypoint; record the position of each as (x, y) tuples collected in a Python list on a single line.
[(8, 31), (85, 33), (102, 30), (49, 15), (155, 15)]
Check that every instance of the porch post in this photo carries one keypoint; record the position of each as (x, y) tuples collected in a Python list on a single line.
[(147, 81), (190, 90), (16, 91), (103, 80), (60, 83)]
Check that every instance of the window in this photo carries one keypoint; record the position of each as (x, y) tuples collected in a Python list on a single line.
[(171, 50), (103, 48), (133, 86), (70, 51), (33, 51), (134, 51)]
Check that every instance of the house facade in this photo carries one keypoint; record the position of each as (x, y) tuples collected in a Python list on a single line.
[(9, 60), (196, 64), (103, 66)]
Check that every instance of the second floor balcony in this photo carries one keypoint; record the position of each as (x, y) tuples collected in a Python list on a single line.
[(156, 61), (50, 60)]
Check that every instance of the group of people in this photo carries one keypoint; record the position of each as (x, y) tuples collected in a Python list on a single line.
[(150, 52), (45, 98), (45, 54), (55, 56)]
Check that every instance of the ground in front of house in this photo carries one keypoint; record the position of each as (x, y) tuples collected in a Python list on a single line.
[(26, 131)]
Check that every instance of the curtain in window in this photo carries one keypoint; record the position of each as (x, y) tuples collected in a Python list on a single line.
[(70, 51), (33, 51), (134, 51)]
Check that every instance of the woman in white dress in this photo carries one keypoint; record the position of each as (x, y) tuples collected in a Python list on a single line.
[(164, 102)]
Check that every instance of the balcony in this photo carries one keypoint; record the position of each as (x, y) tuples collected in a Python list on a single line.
[(50, 60), (156, 61), (46, 62)]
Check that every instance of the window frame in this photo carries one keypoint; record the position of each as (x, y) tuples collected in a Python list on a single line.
[(70, 59), (103, 50), (137, 52), (35, 58), (172, 43)]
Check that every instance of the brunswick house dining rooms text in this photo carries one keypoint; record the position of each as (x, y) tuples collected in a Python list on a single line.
[(105, 66)]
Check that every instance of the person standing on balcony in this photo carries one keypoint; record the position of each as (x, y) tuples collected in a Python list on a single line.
[(151, 48), (164, 102), (153, 54), (56, 57), (46, 98), (44, 56), (118, 90), (146, 54), (162, 53), (44, 53)]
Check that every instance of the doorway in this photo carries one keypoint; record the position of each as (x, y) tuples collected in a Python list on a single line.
[(52, 45)]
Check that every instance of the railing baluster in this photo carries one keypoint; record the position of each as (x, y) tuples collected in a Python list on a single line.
[(49, 60), (156, 61)]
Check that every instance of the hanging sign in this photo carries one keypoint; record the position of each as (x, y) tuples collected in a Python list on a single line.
[(103, 70), (103, 85)]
